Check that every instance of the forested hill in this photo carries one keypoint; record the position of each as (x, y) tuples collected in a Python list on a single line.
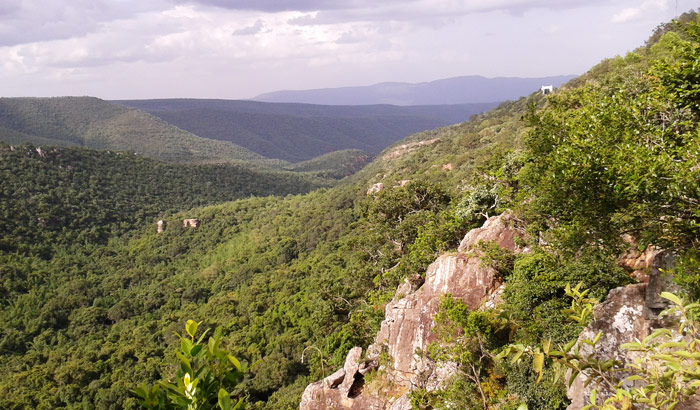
[(84, 322), (98, 124), (298, 132), (613, 152), (68, 195)]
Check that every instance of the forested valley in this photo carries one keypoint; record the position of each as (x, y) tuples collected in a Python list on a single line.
[(290, 266)]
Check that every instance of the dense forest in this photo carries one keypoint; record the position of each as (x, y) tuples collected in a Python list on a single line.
[(300, 132), (94, 123), (91, 301)]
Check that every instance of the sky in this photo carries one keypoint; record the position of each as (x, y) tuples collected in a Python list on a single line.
[(129, 49)]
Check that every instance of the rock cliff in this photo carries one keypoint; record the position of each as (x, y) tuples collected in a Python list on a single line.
[(407, 329)]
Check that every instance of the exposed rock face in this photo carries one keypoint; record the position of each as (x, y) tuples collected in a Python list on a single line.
[(409, 320), (497, 229), (407, 327), (629, 313), (376, 188), (343, 389), (406, 148), (621, 318), (639, 262), (160, 226), (192, 223)]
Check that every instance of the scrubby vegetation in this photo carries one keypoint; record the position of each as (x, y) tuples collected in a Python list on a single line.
[(336, 165)]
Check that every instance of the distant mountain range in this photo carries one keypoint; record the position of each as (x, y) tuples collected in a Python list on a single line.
[(300, 132), (216, 131), (456, 90)]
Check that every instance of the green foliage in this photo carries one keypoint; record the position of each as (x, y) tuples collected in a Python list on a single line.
[(494, 191), (98, 124), (302, 132), (492, 255), (336, 165), (465, 341), (73, 195), (275, 274), (205, 371), (685, 272), (401, 211), (91, 299), (673, 26), (681, 74), (620, 156), (536, 291), (460, 394), (479, 201), (420, 223)]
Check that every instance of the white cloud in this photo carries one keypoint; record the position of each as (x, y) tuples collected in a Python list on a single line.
[(187, 48), (646, 8)]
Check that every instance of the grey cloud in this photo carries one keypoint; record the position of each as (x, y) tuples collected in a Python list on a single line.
[(44, 20), (273, 6), (98, 58), (436, 13), (250, 30), (8, 8), (349, 10)]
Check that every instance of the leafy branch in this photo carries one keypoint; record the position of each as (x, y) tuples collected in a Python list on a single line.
[(205, 371)]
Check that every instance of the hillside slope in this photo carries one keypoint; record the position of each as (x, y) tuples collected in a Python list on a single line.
[(456, 90), (296, 282), (298, 132), (98, 124), (87, 323), (62, 195)]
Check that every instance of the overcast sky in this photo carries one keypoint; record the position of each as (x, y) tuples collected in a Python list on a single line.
[(116, 49)]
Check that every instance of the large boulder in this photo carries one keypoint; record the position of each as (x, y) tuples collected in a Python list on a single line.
[(499, 229)]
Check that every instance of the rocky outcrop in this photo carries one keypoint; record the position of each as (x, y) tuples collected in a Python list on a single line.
[(629, 313), (497, 229), (621, 318), (407, 328), (406, 148), (160, 226), (343, 389), (376, 188), (638, 262), (191, 223)]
